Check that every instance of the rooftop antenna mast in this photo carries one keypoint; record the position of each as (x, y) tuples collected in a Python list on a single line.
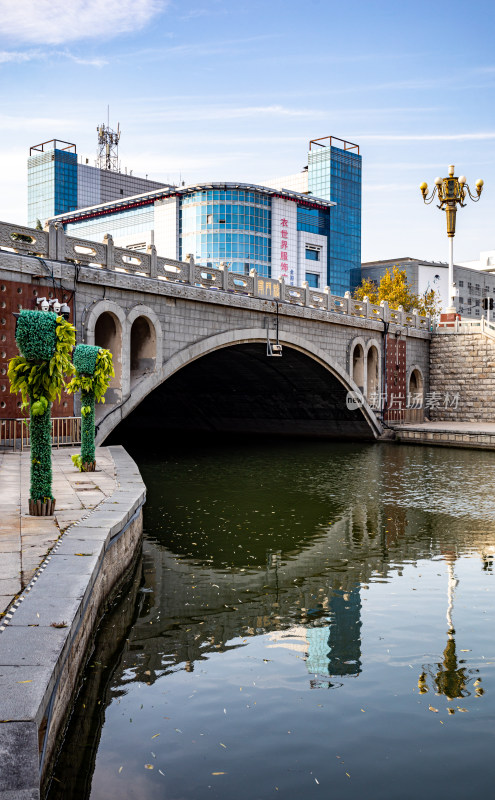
[(108, 146)]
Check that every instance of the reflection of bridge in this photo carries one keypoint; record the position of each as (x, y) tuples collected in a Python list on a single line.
[(190, 343)]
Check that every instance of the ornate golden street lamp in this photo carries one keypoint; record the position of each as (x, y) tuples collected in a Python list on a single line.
[(451, 191)]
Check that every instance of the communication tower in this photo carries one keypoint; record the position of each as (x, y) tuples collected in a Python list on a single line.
[(108, 147)]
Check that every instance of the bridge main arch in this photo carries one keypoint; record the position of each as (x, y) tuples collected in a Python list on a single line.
[(242, 342)]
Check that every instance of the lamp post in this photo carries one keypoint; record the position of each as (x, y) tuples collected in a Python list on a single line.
[(451, 191)]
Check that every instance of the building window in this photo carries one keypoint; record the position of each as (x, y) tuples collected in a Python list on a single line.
[(461, 284), (476, 302), (312, 253), (313, 280), (461, 301), (469, 301)]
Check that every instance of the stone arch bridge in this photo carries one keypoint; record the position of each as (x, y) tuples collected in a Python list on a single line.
[(195, 347)]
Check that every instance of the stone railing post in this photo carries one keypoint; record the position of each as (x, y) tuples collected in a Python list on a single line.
[(328, 293), (366, 304), (151, 250), (385, 311), (254, 275), (400, 320), (225, 277), (60, 241), (52, 240), (108, 241), (415, 314), (192, 269), (348, 299), (282, 287), (307, 293)]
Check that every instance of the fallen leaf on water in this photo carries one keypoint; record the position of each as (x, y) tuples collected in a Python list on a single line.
[(120, 769), (148, 766), (364, 712), (155, 735), (348, 775), (223, 745), (30, 681), (433, 709), (317, 781), (218, 773), (465, 651), (462, 710), (161, 773)]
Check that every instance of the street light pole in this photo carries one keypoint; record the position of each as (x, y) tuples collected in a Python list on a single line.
[(451, 191)]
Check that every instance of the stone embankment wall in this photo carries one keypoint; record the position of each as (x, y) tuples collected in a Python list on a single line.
[(463, 365), (44, 648)]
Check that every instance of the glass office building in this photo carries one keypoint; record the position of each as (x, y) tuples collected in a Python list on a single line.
[(334, 173), (52, 180)]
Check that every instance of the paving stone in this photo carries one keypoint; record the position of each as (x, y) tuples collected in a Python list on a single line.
[(10, 586), (41, 611), (22, 691), (19, 755), (43, 646)]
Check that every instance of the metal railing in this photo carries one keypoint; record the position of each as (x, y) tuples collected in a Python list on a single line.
[(14, 433), (55, 245)]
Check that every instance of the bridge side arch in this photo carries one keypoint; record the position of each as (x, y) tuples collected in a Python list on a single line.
[(365, 365), (106, 326), (143, 342), (415, 387), (217, 342), (373, 355)]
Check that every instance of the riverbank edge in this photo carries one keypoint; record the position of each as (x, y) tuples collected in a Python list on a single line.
[(474, 436), (44, 648)]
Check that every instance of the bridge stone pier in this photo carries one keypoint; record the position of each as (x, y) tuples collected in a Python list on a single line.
[(191, 344)]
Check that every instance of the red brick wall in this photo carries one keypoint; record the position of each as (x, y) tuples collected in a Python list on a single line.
[(15, 296)]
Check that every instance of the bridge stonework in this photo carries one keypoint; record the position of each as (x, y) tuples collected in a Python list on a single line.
[(159, 323)]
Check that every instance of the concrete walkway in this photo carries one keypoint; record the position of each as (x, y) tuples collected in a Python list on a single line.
[(25, 540)]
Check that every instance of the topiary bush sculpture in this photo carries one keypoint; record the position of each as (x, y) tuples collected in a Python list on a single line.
[(45, 343), (94, 369)]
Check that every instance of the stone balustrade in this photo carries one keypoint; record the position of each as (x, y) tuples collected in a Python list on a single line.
[(53, 244)]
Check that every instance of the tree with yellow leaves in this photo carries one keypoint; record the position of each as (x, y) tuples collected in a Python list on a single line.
[(394, 288)]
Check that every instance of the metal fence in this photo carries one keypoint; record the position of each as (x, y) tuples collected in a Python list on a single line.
[(14, 433)]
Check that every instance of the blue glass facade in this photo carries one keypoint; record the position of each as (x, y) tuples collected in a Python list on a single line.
[(52, 184), (335, 174), (230, 226)]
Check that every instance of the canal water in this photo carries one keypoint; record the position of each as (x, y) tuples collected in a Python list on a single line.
[(308, 620)]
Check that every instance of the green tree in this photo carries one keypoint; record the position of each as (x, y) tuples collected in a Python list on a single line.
[(394, 288)]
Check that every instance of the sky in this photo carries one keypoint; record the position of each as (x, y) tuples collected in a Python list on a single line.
[(235, 90)]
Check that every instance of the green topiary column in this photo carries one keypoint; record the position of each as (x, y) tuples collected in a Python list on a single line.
[(94, 369), (41, 452), (45, 342), (87, 428)]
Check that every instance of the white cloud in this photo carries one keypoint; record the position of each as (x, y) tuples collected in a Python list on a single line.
[(16, 57), (58, 21)]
